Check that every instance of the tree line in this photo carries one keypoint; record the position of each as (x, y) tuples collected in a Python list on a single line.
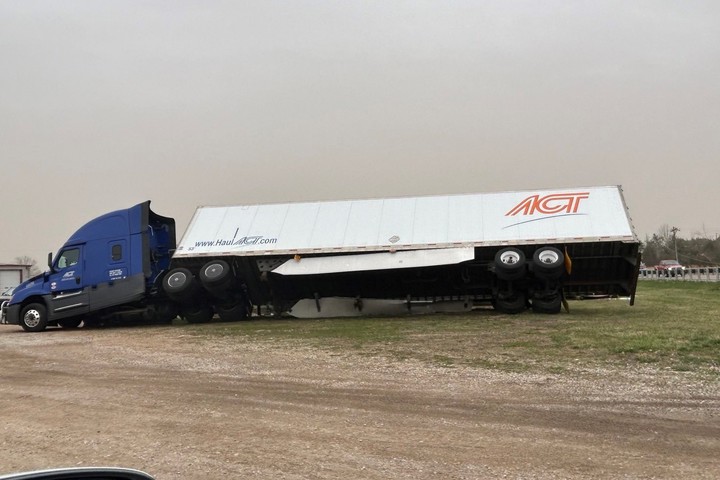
[(666, 244)]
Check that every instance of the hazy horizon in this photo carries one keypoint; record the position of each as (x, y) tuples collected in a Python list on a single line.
[(106, 104)]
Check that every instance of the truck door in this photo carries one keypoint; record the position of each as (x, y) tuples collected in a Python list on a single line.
[(68, 294)]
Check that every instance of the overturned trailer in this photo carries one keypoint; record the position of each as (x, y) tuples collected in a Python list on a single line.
[(511, 250)]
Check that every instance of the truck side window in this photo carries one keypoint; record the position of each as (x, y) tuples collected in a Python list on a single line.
[(116, 253), (68, 258)]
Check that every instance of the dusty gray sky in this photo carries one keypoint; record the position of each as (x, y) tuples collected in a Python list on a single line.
[(105, 104)]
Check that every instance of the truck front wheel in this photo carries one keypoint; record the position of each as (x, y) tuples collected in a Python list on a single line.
[(34, 318)]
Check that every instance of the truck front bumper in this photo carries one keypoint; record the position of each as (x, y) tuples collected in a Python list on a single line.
[(10, 313)]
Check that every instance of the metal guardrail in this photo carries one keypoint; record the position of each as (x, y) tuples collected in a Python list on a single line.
[(690, 274)]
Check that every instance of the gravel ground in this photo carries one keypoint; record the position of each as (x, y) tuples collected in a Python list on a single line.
[(182, 407)]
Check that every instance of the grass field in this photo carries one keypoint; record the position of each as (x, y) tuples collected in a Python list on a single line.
[(673, 325)]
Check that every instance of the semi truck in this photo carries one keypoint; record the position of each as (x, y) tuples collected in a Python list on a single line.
[(512, 251)]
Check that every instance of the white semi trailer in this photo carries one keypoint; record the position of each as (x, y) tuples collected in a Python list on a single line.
[(513, 250)]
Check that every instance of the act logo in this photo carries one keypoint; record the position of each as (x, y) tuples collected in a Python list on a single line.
[(549, 204), (68, 275)]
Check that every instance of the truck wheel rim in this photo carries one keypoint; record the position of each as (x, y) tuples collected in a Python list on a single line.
[(214, 271), (510, 258), (177, 279), (32, 318), (548, 256)]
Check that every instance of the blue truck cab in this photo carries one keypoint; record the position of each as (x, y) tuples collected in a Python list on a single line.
[(111, 266)]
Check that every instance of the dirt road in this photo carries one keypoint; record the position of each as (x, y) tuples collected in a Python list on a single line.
[(181, 406)]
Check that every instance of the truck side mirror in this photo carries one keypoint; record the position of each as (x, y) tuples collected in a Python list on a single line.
[(50, 261)]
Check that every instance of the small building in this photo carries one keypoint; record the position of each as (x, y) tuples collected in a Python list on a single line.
[(12, 275)]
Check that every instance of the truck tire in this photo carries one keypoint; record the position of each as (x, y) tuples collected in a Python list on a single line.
[(180, 284), (550, 305), (512, 304), (69, 323), (92, 321), (232, 313), (200, 314), (548, 262), (510, 264), (33, 318), (161, 313), (165, 312), (216, 274)]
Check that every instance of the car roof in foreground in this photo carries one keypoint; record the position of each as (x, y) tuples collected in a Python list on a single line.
[(81, 473)]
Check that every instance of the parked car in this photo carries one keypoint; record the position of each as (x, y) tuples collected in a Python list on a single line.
[(670, 268)]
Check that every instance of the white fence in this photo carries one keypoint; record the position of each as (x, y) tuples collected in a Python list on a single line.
[(692, 274)]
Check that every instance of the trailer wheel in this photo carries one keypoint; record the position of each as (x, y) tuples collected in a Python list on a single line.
[(547, 305), (201, 314), (70, 323), (216, 274), (510, 264), (180, 284), (548, 262), (33, 318), (512, 304), (232, 313)]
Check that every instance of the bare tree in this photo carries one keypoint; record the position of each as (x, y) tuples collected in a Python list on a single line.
[(664, 233), (31, 262)]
